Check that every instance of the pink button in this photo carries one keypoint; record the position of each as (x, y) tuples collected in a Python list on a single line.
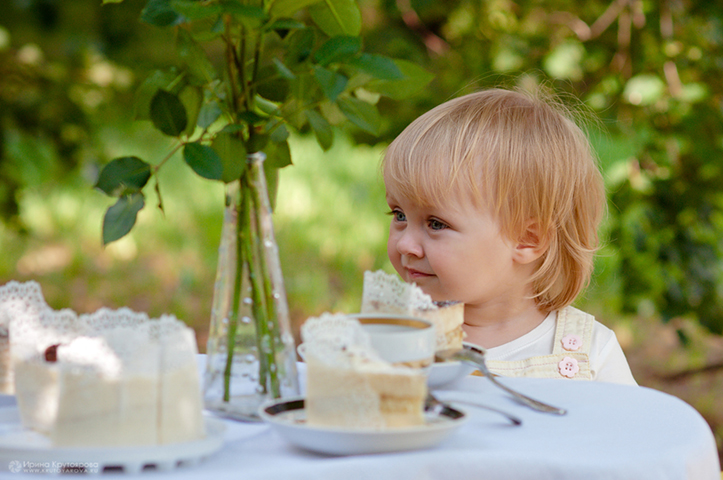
[(571, 342), (568, 367)]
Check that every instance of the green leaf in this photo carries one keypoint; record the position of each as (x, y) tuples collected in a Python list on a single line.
[(322, 129), (194, 10), (271, 85), (210, 112), (111, 1), (120, 218), (378, 66), (287, 8), (160, 79), (232, 152), (194, 57), (362, 114), (160, 13), (168, 113), (285, 24), (337, 17), (337, 49), (249, 15), (299, 46), (203, 160), (331, 83), (415, 79), (283, 70), (278, 155), (257, 142), (192, 99), (123, 175)]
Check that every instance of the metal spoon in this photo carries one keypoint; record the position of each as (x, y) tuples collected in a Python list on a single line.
[(435, 406), (476, 356)]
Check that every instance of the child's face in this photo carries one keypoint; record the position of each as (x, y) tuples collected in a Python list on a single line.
[(454, 253)]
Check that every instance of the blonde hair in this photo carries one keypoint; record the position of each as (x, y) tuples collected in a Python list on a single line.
[(521, 155)]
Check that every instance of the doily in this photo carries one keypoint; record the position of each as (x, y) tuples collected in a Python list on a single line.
[(58, 354)]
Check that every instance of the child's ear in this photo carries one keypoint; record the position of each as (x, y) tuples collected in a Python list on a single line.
[(532, 244)]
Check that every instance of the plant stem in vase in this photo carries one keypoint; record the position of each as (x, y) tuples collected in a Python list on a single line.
[(250, 353)]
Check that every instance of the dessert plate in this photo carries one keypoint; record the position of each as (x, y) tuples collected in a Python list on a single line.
[(288, 418), (23, 450)]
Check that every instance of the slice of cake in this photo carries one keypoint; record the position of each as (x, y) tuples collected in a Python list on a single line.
[(349, 386), (111, 378), (385, 293)]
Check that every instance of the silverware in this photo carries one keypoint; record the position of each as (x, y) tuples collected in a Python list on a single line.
[(476, 356), (437, 407)]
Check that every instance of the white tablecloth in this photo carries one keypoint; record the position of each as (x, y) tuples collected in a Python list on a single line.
[(610, 432)]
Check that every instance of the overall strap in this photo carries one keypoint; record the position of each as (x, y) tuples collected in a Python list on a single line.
[(570, 353)]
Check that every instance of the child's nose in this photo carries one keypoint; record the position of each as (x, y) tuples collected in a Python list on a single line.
[(408, 244)]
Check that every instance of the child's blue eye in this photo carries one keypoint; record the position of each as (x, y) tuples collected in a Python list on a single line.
[(398, 216), (435, 224)]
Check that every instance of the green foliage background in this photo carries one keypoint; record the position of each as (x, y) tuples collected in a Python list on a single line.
[(651, 71)]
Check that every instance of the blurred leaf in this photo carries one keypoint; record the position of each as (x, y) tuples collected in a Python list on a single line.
[(112, 1), (271, 85), (160, 13), (283, 69), (337, 17), (337, 49), (415, 79), (194, 10), (192, 98), (158, 80), (120, 218), (250, 15), (361, 114), (287, 8), (331, 83), (257, 142), (209, 113), (322, 129), (378, 66), (194, 57), (285, 24), (123, 175), (232, 152), (168, 113), (299, 46), (203, 160), (278, 155)]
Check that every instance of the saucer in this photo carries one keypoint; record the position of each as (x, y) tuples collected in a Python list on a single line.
[(288, 418)]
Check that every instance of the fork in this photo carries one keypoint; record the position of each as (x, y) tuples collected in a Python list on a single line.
[(436, 407), (475, 356)]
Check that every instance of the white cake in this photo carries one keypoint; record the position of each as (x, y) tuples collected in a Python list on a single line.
[(385, 293), (111, 378), (348, 385)]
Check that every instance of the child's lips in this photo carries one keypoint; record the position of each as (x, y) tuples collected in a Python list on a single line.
[(412, 273)]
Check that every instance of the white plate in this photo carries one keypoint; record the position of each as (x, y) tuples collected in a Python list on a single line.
[(23, 450), (442, 373), (288, 418)]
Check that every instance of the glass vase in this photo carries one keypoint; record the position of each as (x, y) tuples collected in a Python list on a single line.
[(251, 356)]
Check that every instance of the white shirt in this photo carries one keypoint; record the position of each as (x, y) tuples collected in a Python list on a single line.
[(607, 360)]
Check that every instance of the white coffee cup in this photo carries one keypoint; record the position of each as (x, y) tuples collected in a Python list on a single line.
[(400, 339)]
